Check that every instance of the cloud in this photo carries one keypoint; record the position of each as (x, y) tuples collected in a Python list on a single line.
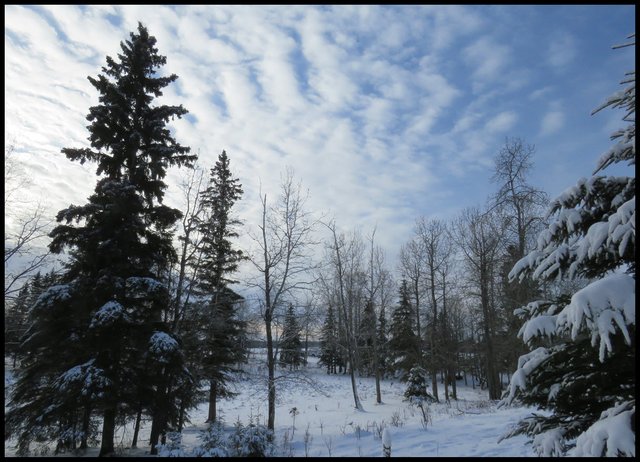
[(562, 50), (552, 122), (385, 112), (502, 122), (486, 58)]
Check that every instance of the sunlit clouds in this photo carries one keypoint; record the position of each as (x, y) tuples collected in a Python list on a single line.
[(384, 112)]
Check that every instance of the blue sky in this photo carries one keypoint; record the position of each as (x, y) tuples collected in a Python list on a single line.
[(386, 113)]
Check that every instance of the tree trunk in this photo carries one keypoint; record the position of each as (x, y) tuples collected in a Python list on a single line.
[(434, 330), (136, 429), (159, 424), (271, 366), (213, 392), (454, 385), (446, 385), (86, 420), (155, 435), (108, 432), (378, 391), (492, 375), (376, 363), (181, 416)]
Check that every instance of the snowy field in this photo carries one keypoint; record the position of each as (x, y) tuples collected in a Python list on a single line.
[(469, 427)]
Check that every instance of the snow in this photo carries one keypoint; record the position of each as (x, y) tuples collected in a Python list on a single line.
[(593, 241), (610, 436), (91, 378), (53, 294), (469, 427), (75, 374), (141, 287), (601, 306), (527, 363), (562, 243), (543, 325), (622, 225), (549, 443), (386, 438), (108, 315), (162, 345)]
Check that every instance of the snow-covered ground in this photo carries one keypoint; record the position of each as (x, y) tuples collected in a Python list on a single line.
[(470, 426)]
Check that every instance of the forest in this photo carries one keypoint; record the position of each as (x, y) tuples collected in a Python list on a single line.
[(529, 298)]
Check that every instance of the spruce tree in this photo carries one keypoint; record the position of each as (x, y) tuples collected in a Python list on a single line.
[(581, 364), (218, 324), (291, 354), (329, 354), (104, 316), (404, 344), (417, 391)]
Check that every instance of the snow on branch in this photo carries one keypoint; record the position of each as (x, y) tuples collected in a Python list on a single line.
[(612, 435), (526, 365), (142, 287), (54, 294), (549, 443), (600, 307), (86, 378), (108, 315), (540, 326), (162, 345), (622, 226)]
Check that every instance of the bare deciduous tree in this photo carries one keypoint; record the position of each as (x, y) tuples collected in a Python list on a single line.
[(412, 262), (26, 224), (378, 294), (522, 207), (432, 234), (191, 184), (282, 259), (480, 238), (344, 257), (522, 201)]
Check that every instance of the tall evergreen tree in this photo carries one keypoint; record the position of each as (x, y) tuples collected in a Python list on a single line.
[(104, 317), (291, 354), (581, 367), (218, 324), (404, 344), (329, 348)]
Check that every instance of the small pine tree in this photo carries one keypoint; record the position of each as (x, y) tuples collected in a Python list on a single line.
[(581, 364), (404, 344), (291, 354), (417, 386)]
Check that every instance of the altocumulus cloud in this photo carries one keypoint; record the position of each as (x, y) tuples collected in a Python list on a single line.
[(384, 112)]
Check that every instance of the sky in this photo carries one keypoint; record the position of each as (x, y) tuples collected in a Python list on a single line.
[(385, 113)]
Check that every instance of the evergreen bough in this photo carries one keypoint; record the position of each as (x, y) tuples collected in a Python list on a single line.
[(581, 363)]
